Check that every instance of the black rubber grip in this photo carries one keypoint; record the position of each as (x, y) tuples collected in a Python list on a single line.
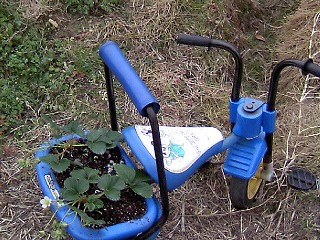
[(193, 40), (312, 68)]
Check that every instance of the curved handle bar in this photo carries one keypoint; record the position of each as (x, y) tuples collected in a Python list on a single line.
[(306, 66), (138, 92), (310, 67), (208, 42), (193, 40)]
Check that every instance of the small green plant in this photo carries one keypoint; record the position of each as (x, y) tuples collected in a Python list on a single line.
[(33, 69), (57, 163), (58, 230), (25, 163), (102, 139), (135, 179), (75, 191), (85, 6), (79, 6), (98, 140)]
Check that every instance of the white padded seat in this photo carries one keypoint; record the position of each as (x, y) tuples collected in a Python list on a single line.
[(184, 149)]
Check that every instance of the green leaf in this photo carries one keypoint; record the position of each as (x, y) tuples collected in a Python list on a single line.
[(103, 131), (126, 173), (97, 147), (93, 135), (107, 181), (92, 175), (70, 194), (74, 127), (141, 176), (143, 189), (61, 166), (113, 194), (57, 164), (106, 136), (85, 218), (90, 206), (135, 179), (116, 136), (111, 138), (111, 145), (89, 174), (77, 128), (111, 185), (105, 139), (79, 174), (77, 163), (93, 202), (78, 185), (50, 158)]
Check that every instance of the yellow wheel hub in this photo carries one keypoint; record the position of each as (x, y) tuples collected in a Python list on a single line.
[(254, 183)]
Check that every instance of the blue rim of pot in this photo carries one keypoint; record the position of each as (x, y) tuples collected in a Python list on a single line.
[(50, 188)]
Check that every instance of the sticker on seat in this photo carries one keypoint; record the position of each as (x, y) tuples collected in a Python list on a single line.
[(181, 146)]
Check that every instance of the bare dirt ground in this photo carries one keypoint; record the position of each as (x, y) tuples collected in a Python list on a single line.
[(177, 75)]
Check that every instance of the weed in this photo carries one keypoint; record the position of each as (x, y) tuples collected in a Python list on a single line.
[(25, 163), (86, 6), (86, 60), (32, 67)]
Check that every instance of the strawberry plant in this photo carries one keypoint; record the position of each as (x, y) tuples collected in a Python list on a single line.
[(85, 187)]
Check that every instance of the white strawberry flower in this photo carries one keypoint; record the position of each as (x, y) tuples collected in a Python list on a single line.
[(45, 202)]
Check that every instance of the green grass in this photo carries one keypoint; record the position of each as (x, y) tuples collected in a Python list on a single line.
[(40, 73), (34, 67), (87, 6)]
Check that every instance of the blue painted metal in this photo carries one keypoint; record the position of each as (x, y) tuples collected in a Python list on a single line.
[(268, 120), (244, 157), (252, 120), (249, 116), (248, 123), (229, 141), (128, 77), (233, 108)]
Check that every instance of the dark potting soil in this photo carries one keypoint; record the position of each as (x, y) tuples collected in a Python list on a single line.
[(130, 206)]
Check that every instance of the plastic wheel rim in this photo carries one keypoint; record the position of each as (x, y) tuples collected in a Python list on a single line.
[(254, 183)]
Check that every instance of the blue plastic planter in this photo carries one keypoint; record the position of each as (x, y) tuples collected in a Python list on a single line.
[(125, 230)]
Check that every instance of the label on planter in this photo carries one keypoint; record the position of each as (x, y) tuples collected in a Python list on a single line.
[(51, 186)]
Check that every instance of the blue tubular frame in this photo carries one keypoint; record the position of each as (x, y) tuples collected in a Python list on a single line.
[(241, 121), (262, 115), (235, 100), (248, 124), (247, 144), (115, 62), (128, 77)]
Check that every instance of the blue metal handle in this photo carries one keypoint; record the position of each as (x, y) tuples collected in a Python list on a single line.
[(138, 92)]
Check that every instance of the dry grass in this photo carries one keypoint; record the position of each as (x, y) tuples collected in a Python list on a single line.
[(184, 81), (33, 9)]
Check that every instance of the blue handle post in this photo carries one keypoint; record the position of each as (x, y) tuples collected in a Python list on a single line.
[(138, 92)]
